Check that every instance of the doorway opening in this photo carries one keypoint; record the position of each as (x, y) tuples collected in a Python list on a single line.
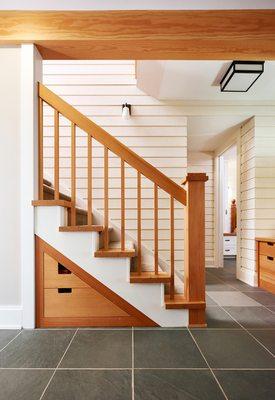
[(229, 204)]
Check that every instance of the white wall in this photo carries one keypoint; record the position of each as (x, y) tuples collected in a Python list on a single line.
[(10, 274), (257, 189), (204, 162), (156, 131), (19, 68)]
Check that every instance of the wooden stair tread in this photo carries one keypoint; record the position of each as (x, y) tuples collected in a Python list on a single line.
[(81, 228), (114, 250), (50, 189), (150, 277), (49, 203), (180, 302)]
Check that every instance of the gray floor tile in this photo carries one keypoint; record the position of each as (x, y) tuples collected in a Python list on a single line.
[(216, 317), (232, 349), (6, 335), (247, 385), (271, 308), (252, 317), (210, 302), (267, 338), (166, 349), (264, 298), (219, 287), (23, 384), (230, 298), (176, 385), (36, 349), (100, 349), (92, 385)]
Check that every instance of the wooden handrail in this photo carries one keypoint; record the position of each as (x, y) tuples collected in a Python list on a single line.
[(114, 145)]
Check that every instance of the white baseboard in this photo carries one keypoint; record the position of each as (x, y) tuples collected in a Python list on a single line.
[(11, 317), (247, 276)]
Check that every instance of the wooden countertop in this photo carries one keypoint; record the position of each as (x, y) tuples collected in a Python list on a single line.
[(265, 239)]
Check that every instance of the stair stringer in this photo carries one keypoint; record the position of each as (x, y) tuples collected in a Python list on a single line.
[(114, 273)]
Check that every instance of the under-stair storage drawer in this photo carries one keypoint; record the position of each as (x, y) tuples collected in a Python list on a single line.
[(57, 276), (267, 249), (266, 264), (78, 302)]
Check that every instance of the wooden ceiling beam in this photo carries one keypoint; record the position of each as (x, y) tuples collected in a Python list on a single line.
[(212, 34)]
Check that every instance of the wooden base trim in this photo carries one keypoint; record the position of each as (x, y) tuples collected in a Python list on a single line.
[(134, 317), (197, 318)]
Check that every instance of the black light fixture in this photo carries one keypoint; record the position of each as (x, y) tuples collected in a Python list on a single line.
[(241, 75), (126, 110)]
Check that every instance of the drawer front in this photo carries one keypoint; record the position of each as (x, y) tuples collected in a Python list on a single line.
[(229, 241), (56, 276), (267, 272), (267, 264), (267, 249), (80, 302), (229, 251)]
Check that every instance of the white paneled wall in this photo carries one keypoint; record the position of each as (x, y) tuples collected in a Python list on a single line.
[(156, 131), (257, 188), (204, 162)]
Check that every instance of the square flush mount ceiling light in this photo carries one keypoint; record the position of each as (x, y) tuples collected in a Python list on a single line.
[(241, 75)]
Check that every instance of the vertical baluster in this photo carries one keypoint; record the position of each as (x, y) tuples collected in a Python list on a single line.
[(172, 248), (156, 245), (40, 148), (106, 199), (89, 186), (73, 175), (122, 205), (56, 155), (139, 223)]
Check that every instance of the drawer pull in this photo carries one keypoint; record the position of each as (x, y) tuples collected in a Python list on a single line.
[(227, 240), (227, 250), (270, 258), (270, 243), (64, 290), (63, 270)]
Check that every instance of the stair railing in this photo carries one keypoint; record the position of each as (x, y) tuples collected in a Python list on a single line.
[(193, 199)]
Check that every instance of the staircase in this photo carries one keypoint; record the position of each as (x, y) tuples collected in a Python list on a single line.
[(85, 238)]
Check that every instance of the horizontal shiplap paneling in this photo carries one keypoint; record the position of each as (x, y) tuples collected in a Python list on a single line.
[(156, 131)]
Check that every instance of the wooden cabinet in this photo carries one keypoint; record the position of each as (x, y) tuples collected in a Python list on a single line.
[(266, 263)]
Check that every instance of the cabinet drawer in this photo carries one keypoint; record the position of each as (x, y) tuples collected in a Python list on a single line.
[(80, 302), (229, 251), (267, 249), (229, 241), (56, 276), (267, 264)]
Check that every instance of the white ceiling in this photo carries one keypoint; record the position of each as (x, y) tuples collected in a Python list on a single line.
[(199, 80), (206, 133), (197, 83), (135, 4)]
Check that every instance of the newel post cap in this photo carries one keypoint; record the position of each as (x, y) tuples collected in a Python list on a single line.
[(195, 176)]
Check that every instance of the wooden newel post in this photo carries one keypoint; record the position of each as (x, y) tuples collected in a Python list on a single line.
[(194, 270)]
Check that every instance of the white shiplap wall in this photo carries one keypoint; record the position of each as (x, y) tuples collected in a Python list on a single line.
[(257, 189), (156, 131), (204, 162)]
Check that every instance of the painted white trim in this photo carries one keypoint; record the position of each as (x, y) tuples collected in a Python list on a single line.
[(31, 71), (247, 276), (218, 215), (11, 317), (240, 275)]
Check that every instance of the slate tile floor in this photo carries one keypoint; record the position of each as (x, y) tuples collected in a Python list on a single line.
[(232, 359)]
